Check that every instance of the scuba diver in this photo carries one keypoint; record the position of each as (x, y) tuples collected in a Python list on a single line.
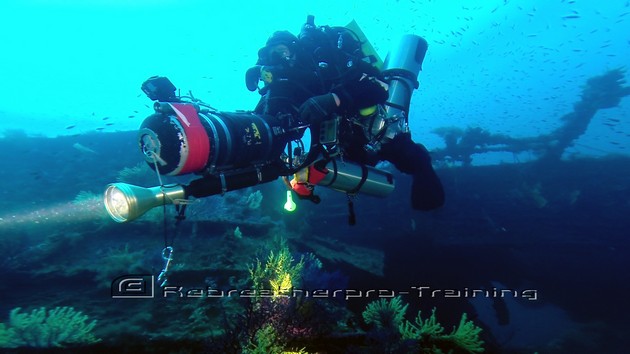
[(321, 83), (321, 74)]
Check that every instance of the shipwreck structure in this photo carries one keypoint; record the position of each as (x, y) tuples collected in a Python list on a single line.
[(604, 91)]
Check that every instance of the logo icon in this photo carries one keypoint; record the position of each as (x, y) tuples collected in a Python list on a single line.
[(133, 286)]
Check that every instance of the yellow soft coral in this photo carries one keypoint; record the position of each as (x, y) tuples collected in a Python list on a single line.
[(466, 336), (427, 334), (428, 327), (279, 272), (282, 285), (385, 313)]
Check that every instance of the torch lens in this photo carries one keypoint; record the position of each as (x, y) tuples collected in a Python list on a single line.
[(117, 204)]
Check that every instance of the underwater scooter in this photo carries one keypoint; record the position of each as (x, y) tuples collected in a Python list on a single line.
[(235, 150)]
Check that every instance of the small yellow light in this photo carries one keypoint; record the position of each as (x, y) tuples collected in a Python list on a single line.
[(367, 111), (290, 204)]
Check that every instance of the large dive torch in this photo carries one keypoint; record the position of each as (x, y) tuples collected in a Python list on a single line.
[(125, 202)]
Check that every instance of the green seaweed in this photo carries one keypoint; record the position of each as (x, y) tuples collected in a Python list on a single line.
[(44, 328)]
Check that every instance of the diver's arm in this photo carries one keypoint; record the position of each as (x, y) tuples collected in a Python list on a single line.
[(360, 92)]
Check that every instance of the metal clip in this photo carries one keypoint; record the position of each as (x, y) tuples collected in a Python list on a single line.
[(223, 184), (167, 255)]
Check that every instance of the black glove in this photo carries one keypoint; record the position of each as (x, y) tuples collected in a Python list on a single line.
[(318, 109), (362, 93), (252, 76)]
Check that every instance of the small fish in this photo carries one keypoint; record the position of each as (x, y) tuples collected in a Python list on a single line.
[(569, 17), (131, 116), (83, 148), (105, 118), (70, 126)]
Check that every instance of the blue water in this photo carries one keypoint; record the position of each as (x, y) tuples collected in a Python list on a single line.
[(70, 103), (506, 66)]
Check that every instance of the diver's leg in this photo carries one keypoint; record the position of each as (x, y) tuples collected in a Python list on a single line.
[(411, 158)]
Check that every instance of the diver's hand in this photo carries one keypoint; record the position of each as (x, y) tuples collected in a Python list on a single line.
[(319, 108), (252, 76), (365, 92)]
